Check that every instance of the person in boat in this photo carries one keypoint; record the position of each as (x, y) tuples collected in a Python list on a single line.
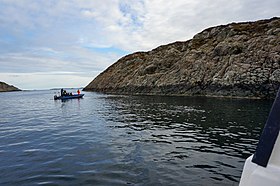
[(78, 91), (61, 92)]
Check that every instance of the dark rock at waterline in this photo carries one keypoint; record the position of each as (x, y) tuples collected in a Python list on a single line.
[(235, 60), (4, 87)]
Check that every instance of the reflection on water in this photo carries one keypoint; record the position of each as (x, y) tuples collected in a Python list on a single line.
[(209, 135), (124, 140)]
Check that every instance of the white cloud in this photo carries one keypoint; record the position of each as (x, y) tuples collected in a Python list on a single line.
[(83, 36), (89, 13), (29, 81)]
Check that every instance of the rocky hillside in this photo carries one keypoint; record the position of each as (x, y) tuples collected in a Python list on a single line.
[(7, 88), (238, 59)]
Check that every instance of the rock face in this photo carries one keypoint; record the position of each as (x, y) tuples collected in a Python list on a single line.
[(7, 88), (237, 60)]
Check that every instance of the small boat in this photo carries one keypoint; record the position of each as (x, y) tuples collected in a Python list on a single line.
[(263, 167), (73, 96)]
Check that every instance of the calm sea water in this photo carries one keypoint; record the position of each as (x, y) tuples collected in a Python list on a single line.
[(126, 140)]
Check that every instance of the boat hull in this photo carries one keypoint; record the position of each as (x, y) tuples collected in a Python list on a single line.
[(263, 167), (75, 96)]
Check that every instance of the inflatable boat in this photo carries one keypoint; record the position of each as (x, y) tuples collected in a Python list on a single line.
[(74, 96)]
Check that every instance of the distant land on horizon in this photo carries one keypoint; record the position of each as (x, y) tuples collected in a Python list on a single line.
[(234, 60), (4, 87), (58, 89)]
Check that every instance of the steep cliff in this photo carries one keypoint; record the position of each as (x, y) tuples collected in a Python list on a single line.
[(238, 59), (7, 88)]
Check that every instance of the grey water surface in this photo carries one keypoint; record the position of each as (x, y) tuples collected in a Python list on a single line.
[(126, 140)]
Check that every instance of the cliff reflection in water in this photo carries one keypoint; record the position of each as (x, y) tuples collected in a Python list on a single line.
[(121, 140), (212, 134)]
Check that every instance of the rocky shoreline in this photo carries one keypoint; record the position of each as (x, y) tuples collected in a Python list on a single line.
[(234, 60), (4, 87)]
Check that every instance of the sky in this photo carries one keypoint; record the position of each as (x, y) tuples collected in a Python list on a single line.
[(66, 43)]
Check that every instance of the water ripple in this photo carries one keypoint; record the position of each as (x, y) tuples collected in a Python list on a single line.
[(126, 140)]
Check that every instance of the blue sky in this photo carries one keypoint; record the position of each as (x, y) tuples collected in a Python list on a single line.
[(66, 43)]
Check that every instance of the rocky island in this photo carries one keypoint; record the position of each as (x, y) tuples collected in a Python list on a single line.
[(4, 87), (234, 60)]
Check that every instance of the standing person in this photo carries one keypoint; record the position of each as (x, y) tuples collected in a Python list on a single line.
[(78, 91), (61, 92)]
